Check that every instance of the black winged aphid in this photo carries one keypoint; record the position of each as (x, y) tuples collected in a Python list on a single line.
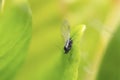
[(66, 36)]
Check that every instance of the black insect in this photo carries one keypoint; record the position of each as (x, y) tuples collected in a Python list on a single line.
[(68, 45), (66, 35)]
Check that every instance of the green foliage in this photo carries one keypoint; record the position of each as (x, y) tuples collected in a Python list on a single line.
[(46, 59), (110, 66), (72, 59), (65, 66), (15, 34)]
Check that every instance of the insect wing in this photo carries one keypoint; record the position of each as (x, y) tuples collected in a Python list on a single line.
[(66, 31)]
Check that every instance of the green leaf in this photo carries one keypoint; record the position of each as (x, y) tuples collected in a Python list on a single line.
[(15, 34), (110, 66), (66, 66), (72, 59)]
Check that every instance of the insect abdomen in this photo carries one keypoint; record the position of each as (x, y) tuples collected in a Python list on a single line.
[(68, 46)]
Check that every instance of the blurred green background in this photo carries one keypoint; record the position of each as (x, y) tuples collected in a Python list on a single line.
[(42, 62), (98, 15)]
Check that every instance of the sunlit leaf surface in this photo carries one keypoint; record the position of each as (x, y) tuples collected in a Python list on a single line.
[(15, 34)]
